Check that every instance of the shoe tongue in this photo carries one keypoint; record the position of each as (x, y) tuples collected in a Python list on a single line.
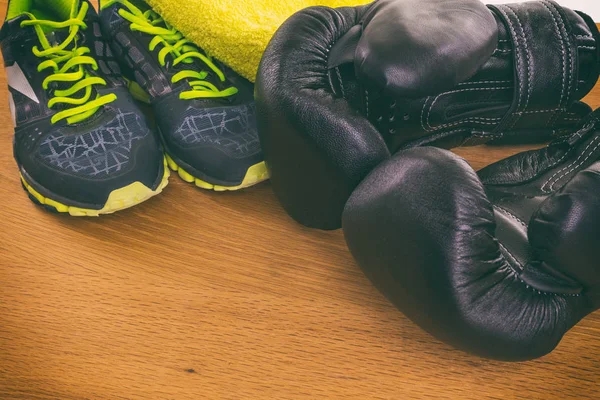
[(62, 10), (75, 6), (55, 10), (66, 9), (141, 5), (58, 36)]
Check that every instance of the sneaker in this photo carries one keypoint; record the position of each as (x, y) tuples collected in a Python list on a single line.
[(82, 145), (205, 112)]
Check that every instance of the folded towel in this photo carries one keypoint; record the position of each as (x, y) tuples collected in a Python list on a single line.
[(235, 32)]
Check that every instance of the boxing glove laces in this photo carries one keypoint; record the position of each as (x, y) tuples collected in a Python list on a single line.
[(501, 263), (339, 90)]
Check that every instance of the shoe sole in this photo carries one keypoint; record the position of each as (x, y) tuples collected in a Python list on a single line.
[(119, 199), (254, 175)]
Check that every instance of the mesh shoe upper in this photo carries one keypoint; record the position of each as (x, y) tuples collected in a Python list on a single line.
[(232, 129), (103, 151)]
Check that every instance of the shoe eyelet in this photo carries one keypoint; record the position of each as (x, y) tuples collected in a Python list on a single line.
[(406, 117)]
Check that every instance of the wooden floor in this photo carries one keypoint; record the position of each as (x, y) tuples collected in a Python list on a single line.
[(198, 295)]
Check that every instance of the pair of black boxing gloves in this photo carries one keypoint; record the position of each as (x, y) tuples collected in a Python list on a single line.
[(355, 108)]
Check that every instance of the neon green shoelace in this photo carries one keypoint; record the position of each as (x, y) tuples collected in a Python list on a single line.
[(72, 69), (175, 44)]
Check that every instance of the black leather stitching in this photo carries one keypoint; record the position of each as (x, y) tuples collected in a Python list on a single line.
[(528, 67), (565, 47)]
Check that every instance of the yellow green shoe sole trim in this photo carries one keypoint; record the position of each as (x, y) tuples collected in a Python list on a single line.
[(255, 174), (118, 199)]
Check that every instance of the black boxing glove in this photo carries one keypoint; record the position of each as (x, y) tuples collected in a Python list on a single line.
[(338, 90), (501, 263)]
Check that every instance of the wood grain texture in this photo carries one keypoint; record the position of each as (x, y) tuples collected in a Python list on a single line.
[(199, 295)]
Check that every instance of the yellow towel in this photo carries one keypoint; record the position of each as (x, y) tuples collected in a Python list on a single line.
[(235, 32)]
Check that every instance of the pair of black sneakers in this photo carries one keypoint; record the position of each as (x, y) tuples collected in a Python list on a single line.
[(82, 144)]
